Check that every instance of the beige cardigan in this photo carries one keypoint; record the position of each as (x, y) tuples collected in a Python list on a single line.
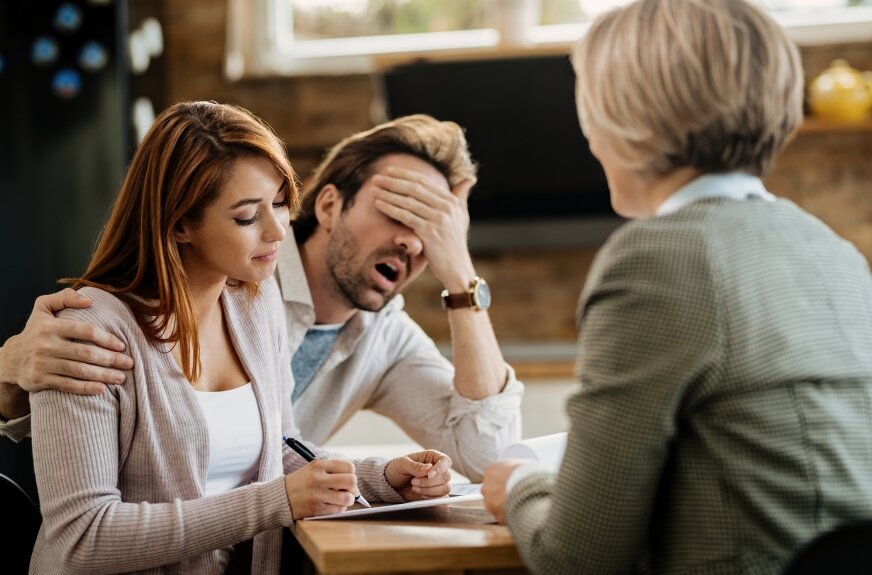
[(121, 475)]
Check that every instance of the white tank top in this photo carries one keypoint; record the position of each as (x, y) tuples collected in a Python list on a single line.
[(235, 437)]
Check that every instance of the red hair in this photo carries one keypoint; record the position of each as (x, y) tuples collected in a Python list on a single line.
[(178, 169)]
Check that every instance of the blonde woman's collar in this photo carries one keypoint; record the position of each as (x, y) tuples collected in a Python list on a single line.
[(734, 186)]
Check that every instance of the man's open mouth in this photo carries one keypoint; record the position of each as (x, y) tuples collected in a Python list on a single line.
[(388, 271)]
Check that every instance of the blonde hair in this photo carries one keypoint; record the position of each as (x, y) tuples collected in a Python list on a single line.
[(712, 85), (349, 163), (177, 171)]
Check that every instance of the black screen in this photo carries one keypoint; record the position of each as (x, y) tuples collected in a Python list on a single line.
[(522, 127)]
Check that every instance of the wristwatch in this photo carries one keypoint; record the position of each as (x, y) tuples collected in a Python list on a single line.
[(478, 296)]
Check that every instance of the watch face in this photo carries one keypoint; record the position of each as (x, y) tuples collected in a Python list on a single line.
[(482, 295)]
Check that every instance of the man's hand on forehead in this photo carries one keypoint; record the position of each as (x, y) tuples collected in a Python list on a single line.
[(437, 214), (429, 180)]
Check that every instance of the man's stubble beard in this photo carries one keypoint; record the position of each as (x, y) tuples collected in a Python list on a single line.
[(349, 277)]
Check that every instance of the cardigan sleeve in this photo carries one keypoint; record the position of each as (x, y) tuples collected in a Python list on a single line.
[(87, 526)]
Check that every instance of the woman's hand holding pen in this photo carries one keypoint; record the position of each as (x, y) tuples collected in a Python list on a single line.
[(422, 475), (320, 487)]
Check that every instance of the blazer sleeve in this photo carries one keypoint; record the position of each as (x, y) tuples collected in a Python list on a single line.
[(649, 328)]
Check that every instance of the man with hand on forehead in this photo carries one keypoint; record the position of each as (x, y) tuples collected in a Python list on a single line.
[(382, 205)]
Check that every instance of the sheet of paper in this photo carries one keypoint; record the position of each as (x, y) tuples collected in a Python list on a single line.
[(465, 488), (546, 449), (461, 492)]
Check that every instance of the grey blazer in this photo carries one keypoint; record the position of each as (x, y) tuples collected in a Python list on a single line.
[(724, 416)]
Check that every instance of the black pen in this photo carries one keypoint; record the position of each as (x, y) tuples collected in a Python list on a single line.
[(307, 454)]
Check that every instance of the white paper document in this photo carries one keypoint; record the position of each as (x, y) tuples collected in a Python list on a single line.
[(546, 449), (461, 492)]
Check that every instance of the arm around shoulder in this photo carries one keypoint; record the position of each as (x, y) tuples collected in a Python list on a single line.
[(14, 401), (14, 412), (58, 353)]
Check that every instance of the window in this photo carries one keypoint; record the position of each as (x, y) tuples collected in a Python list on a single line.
[(269, 37)]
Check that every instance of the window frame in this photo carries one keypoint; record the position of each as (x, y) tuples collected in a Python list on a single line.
[(258, 47)]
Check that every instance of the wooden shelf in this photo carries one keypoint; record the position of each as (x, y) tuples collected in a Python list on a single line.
[(546, 369), (817, 126)]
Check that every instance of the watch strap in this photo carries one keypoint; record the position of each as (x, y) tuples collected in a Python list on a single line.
[(456, 300), (466, 299)]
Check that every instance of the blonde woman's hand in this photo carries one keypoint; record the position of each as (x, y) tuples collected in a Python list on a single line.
[(493, 486)]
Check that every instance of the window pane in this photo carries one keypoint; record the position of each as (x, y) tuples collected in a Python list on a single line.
[(333, 19), (561, 12), (325, 19)]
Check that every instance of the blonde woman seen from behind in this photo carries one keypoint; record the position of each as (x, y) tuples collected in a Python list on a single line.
[(722, 419)]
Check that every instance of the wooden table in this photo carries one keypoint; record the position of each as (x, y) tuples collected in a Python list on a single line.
[(448, 539)]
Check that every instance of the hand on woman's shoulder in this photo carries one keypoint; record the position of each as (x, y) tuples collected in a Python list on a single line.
[(106, 309)]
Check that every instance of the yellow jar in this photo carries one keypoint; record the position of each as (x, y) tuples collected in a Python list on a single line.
[(840, 94)]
